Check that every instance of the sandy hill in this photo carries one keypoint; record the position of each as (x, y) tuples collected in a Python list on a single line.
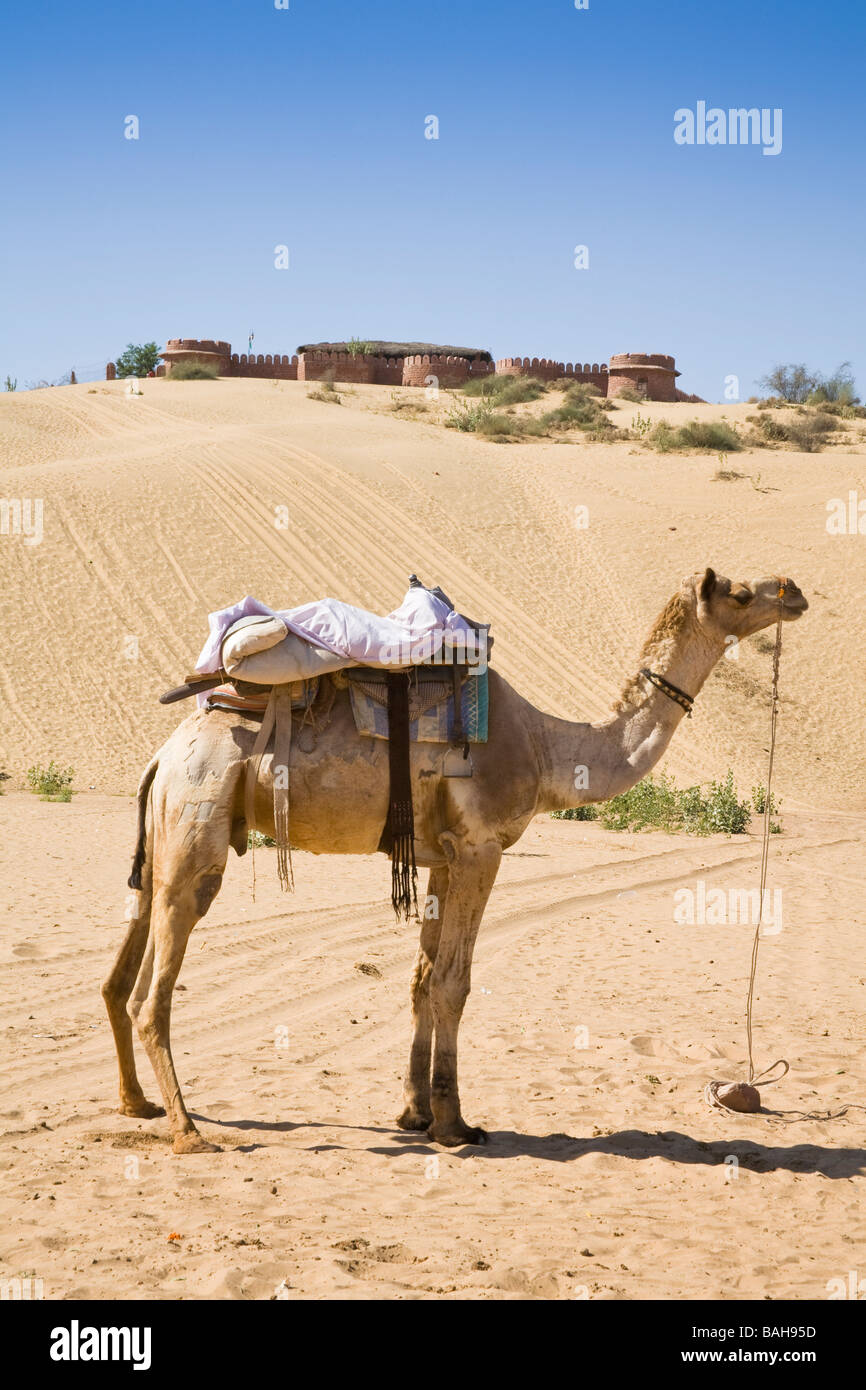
[(161, 507), (596, 1017)]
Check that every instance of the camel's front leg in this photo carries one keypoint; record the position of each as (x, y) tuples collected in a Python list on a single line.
[(416, 1089), (471, 873)]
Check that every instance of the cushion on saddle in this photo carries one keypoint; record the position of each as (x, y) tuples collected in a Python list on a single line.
[(262, 650), (431, 709)]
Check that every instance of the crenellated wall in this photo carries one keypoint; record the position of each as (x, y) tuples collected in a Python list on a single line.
[(653, 374), (350, 367), (284, 368), (545, 369)]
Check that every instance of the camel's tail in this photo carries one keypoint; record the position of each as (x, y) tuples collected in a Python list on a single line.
[(144, 786)]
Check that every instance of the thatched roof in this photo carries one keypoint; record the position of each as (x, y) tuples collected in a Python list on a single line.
[(383, 349)]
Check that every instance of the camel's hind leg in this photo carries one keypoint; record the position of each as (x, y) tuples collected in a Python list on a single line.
[(416, 1089), (472, 870), (175, 912), (116, 991)]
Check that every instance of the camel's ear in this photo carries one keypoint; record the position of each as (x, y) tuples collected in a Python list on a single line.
[(708, 584)]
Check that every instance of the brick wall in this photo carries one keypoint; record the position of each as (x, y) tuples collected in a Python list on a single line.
[(284, 368), (350, 367), (654, 372), (448, 371)]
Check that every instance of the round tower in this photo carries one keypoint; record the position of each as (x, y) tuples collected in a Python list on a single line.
[(207, 351), (653, 374)]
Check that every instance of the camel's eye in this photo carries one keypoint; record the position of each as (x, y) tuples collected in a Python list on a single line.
[(743, 596)]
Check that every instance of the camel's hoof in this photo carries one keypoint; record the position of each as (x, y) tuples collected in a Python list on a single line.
[(414, 1119), (457, 1135), (194, 1144), (141, 1109)]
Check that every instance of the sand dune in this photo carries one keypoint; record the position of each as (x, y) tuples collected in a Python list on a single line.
[(606, 1175)]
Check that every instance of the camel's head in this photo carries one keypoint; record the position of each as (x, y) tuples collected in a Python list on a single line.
[(728, 607)]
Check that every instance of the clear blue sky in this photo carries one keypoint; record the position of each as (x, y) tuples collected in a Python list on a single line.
[(305, 127)]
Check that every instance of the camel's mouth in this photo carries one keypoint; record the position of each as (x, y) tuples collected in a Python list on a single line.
[(794, 606)]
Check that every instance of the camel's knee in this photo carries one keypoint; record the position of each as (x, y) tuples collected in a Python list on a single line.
[(112, 992), (449, 991), (150, 1020)]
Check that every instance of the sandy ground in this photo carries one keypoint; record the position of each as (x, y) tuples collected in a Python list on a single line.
[(595, 1017)]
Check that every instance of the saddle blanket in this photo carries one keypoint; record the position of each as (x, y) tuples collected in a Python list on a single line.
[(255, 643), (431, 710)]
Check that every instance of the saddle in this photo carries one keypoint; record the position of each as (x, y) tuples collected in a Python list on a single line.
[(270, 673)]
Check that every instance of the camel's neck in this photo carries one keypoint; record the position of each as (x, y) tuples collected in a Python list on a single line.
[(592, 762)]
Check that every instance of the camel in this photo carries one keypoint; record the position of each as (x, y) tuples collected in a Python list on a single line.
[(191, 809)]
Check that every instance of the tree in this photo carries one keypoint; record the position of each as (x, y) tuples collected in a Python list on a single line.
[(840, 387), (138, 359), (793, 382)]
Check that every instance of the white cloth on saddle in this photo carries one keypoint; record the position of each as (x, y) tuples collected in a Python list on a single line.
[(333, 635)]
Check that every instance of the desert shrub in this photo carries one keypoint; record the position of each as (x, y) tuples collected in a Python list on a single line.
[(843, 411), (663, 437), (137, 359), (759, 802), (11, 385), (808, 432), (359, 347), (576, 813), (51, 783), (506, 390), (191, 371), (466, 418), (495, 425), (579, 410), (326, 394), (722, 810), (769, 427), (655, 803), (630, 393), (697, 434), (256, 839), (709, 434)]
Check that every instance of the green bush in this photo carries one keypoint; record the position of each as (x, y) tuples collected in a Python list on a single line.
[(506, 390), (256, 839), (655, 803), (579, 410), (11, 385), (193, 371), (51, 783), (697, 434), (709, 434), (759, 802)]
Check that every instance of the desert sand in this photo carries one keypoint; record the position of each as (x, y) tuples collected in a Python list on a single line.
[(595, 1018)]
